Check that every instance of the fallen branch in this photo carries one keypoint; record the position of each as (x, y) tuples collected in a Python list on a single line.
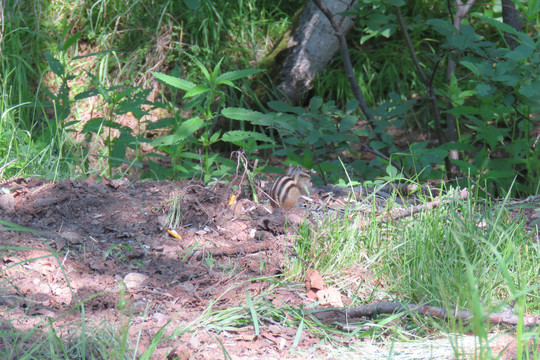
[(247, 248), (462, 194), (530, 199), (386, 307)]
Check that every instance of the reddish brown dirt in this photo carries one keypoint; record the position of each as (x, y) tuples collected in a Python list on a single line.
[(102, 231)]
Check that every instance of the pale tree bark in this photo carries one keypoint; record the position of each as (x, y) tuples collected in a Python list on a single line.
[(309, 48)]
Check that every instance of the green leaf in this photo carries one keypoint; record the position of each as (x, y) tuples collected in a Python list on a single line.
[(193, 4), (228, 83), (500, 174), (463, 110), (237, 74), (434, 156), (235, 136), (484, 90), (189, 126), (284, 107), (298, 335), (526, 39), (531, 92), (201, 66), (442, 26), (190, 155), (215, 137), (313, 136), (197, 90), (159, 124), (86, 94), (71, 41), (167, 140), (469, 65), (216, 70), (464, 165), (95, 124), (255, 117), (391, 171), (347, 122), (253, 313), (352, 105), (315, 103), (499, 25), (283, 122), (174, 81), (242, 114), (8, 226), (520, 53), (54, 64)]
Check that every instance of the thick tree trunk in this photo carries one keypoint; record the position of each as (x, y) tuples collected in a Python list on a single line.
[(511, 17), (309, 48)]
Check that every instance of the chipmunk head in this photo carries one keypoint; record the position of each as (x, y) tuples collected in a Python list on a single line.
[(301, 177)]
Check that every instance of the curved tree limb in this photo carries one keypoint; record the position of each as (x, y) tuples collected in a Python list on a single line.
[(355, 87), (451, 125)]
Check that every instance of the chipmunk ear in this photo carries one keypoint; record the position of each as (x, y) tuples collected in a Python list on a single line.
[(291, 169)]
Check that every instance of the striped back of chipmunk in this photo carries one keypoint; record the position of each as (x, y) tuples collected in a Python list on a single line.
[(282, 189)]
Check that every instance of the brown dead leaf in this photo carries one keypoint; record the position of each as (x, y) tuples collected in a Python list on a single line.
[(314, 281), (311, 294)]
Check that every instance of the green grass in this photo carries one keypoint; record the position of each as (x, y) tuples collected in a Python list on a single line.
[(130, 40), (465, 255)]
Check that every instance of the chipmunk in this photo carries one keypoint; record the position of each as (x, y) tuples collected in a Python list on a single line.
[(286, 190)]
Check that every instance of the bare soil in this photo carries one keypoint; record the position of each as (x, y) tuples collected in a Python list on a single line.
[(103, 231)]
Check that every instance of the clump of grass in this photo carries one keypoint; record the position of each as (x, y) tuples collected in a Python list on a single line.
[(467, 254)]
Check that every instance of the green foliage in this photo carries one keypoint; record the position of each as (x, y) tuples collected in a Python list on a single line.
[(492, 106), (308, 135), (119, 101), (190, 142), (493, 93)]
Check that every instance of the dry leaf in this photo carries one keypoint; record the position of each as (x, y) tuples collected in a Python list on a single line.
[(314, 281), (330, 297)]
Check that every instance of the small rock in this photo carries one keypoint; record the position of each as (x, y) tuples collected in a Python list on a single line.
[(162, 221), (139, 306), (44, 202), (135, 280), (7, 202), (71, 237)]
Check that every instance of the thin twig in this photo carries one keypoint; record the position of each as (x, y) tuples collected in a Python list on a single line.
[(346, 60), (366, 148), (7, 164), (427, 82)]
